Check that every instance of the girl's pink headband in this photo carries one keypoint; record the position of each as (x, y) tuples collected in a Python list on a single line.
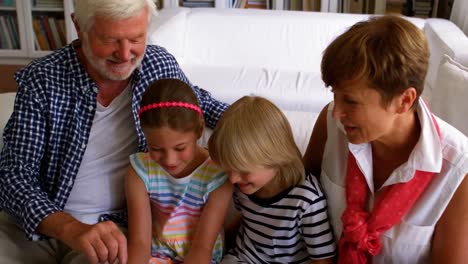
[(170, 104)]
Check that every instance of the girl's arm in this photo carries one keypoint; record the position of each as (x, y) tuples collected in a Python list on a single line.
[(451, 234), (139, 219), (209, 225)]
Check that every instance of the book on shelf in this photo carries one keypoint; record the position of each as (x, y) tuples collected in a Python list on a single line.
[(61, 30), (48, 32), (55, 34), (8, 36), (47, 3), (37, 46), (197, 4), (40, 34), (311, 5), (7, 3), (3, 44), (13, 31), (257, 4), (7, 41)]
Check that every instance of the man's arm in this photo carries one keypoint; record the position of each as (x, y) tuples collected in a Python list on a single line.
[(21, 186), (212, 108), (23, 183)]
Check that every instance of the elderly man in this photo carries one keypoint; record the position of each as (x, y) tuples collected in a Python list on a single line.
[(68, 140)]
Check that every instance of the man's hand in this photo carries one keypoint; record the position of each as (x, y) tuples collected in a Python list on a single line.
[(100, 242)]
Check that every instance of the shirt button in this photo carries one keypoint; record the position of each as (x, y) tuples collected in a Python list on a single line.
[(83, 145), (95, 89), (90, 108)]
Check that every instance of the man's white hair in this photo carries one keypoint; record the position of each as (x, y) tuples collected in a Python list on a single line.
[(87, 10)]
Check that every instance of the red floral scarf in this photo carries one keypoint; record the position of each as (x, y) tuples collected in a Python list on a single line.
[(362, 230)]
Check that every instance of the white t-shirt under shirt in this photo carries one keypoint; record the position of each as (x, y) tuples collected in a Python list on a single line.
[(410, 241), (99, 185)]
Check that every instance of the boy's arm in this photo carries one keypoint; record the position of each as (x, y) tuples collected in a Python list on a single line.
[(315, 226), (139, 219), (231, 228), (210, 224)]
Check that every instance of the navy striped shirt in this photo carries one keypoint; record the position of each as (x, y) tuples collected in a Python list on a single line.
[(46, 136), (291, 227)]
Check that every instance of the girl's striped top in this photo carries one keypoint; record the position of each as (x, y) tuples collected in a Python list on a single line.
[(176, 204)]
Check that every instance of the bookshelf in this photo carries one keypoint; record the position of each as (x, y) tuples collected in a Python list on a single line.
[(33, 28), (298, 5)]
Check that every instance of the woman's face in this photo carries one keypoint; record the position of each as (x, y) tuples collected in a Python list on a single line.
[(360, 111)]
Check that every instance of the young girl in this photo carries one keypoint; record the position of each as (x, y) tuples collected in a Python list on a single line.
[(176, 196), (283, 215)]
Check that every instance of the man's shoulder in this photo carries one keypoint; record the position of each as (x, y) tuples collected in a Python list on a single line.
[(58, 61), (157, 54)]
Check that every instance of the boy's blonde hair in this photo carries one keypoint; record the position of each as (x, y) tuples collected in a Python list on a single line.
[(388, 52), (253, 133)]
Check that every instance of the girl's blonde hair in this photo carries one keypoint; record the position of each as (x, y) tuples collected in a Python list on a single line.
[(254, 133)]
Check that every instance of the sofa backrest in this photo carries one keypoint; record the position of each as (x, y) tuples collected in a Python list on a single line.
[(250, 38)]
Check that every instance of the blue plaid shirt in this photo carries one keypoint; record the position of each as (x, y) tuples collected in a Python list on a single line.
[(46, 136)]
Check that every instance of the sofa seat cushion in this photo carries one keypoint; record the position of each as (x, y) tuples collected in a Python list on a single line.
[(289, 90)]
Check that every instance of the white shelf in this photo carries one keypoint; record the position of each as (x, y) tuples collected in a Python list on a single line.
[(24, 13), (7, 8)]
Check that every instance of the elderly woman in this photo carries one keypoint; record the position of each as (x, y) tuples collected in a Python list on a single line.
[(394, 173)]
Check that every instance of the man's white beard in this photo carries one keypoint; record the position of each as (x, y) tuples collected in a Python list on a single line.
[(106, 70)]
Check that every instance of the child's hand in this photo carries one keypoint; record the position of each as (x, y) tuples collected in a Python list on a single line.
[(198, 255)]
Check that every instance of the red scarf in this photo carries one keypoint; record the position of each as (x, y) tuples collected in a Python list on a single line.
[(362, 230)]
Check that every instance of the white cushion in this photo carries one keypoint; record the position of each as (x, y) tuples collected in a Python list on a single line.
[(289, 90), (450, 94), (443, 37), (6, 108)]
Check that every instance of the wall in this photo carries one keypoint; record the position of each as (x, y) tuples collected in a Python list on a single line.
[(7, 83)]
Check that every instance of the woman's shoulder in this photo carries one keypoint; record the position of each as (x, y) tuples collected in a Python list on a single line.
[(454, 146)]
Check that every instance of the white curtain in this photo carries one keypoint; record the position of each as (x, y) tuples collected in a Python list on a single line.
[(459, 14)]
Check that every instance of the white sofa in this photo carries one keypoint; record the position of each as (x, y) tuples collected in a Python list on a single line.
[(277, 54)]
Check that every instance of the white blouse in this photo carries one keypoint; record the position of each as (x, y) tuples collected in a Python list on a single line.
[(410, 241)]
